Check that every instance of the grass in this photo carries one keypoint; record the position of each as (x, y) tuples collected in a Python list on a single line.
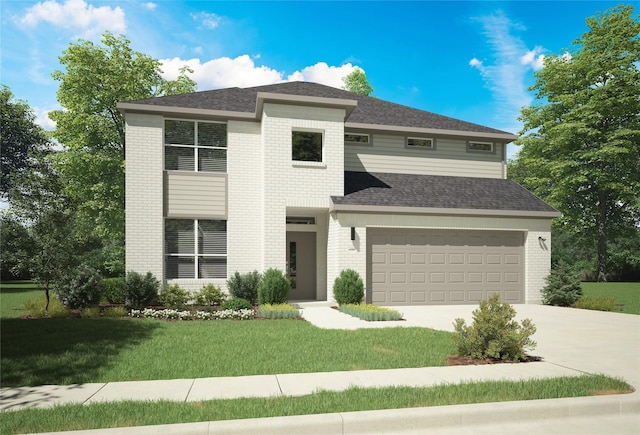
[(13, 295), (626, 294), (370, 313), (126, 414)]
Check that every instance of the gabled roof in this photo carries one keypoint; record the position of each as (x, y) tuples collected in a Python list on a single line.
[(362, 112), (432, 194)]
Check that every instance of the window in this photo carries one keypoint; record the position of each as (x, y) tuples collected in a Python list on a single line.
[(195, 146), (357, 139), (480, 146), (301, 220), (420, 142), (195, 249), (306, 146)]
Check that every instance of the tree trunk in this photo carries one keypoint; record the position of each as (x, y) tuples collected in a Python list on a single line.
[(602, 236), (46, 293)]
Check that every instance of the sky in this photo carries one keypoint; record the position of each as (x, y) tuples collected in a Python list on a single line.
[(471, 60)]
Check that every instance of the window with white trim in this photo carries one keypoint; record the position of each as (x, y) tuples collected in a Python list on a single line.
[(306, 146), (195, 146), (195, 249), (357, 139), (421, 142), (485, 147)]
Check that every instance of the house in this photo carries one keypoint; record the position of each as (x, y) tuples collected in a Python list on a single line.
[(312, 180)]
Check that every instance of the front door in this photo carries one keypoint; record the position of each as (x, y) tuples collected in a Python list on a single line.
[(301, 265)]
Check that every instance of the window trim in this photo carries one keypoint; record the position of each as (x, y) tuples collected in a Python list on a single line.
[(369, 141), (419, 147), (310, 163), (489, 151), (195, 147)]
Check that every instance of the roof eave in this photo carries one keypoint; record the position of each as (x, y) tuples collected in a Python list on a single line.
[(304, 100), (183, 112), (508, 137)]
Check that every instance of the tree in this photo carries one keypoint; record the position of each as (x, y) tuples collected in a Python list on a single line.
[(92, 131), (357, 82), (22, 141), (581, 144)]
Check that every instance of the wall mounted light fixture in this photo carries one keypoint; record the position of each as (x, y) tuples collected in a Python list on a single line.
[(542, 239), (353, 233)]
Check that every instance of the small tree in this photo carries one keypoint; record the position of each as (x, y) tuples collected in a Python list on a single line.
[(563, 286), (348, 288), (357, 82)]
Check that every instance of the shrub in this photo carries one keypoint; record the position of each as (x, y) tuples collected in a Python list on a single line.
[(90, 312), (245, 285), (114, 312), (36, 307), (81, 288), (210, 295), (236, 304), (563, 286), (278, 311), (494, 333), (370, 313), (173, 296), (348, 288), (600, 303), (274, 288), (114, 290), (141, 290)]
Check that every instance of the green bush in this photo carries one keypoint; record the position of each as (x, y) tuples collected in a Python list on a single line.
[(173, 296), (348, 288), (245, 285), (600, 303), (114, 312), (81, 288), (114, 290), (210, 295), (278, 311), (563, 286), (90, 312), (236, 304), (494, 333), (141, 290), (274, 288), (370, 313), (36, 307)]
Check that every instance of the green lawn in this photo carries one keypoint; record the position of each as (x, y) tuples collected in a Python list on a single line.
[(13, 295), (124, 414), (626, 294)]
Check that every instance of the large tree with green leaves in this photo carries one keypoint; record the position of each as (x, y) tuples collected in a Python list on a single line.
[(357, 82), (92, 131), (581, 141)]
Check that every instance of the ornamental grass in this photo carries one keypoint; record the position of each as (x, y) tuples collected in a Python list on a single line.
[(278, 311), (370, 313)]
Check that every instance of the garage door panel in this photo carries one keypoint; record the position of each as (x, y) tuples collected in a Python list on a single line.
[(411, 266)]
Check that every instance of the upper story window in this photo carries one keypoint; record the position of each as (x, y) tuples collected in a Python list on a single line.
[(306, 146), (195, 146), (357, 139), (421, 142), (485, 147)]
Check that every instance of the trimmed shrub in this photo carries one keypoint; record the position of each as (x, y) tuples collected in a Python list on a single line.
[(563, 286), (173, 296), (36, 307), (114, 290), (236, 304), (600, 303), (210, 295), (370, 313), (274, 288), (348, 288), (494, 333), (81, 288), (278, 311), (141, 290), (245, 285)]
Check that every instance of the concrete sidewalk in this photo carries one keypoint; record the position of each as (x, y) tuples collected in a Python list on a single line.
[(572, 342)]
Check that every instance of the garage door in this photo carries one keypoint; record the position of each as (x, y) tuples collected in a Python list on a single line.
[(435, 267)]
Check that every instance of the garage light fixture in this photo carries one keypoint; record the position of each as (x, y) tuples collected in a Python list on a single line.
[(541, 239)]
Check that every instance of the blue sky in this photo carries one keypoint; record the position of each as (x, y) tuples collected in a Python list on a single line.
[(472, 60)]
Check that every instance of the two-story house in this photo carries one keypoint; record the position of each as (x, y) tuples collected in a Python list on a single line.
[(312, 180)]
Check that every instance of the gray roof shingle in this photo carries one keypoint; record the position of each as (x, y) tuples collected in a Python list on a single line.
[(370, 110), (440, 192)]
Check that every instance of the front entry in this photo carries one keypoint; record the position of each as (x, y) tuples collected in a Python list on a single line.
[(301, 265)]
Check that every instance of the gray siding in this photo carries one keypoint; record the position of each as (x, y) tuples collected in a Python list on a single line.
[(450, 157), (195, 195)]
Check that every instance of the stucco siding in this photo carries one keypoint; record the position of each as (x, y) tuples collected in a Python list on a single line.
[(450, 157), (196, 195)]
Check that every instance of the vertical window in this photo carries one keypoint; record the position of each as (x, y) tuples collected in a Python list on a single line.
[(195, 249), (306, 146), (195, 146)]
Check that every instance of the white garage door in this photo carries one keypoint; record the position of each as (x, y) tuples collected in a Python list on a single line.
[(443, 267)]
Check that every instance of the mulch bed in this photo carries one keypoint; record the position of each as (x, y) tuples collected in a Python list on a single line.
[(459, 360)]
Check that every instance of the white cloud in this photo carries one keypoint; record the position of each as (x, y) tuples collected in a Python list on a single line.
[(225, 72), (534, 57), (42, 118), (475, 63), (76, 15), (210, 21), (150, 6)]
